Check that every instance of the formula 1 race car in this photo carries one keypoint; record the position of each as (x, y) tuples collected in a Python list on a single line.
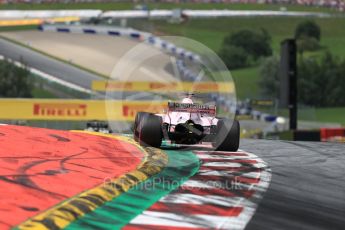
[(187, 123), (98, 126)]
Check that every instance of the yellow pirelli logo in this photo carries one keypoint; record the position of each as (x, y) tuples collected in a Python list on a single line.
[(198, 87), (36, 21), (130, 110), (59, 110), (76, 110)]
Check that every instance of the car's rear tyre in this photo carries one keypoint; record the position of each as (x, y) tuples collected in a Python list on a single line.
[(150, 130), (139, 116), (228, 135)]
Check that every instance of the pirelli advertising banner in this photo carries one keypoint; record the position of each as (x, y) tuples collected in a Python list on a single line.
[(200, 87), (35, 21), (80, 110)]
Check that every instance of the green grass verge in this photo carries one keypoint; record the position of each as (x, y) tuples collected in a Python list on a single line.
[(17, 28), (330, 115), (245, 81), (42, 93), (130, 5)]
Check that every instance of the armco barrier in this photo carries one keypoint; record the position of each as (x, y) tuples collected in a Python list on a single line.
[(75, 110), (200, 87)]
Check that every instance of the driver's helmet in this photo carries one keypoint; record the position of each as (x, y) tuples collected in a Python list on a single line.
[(187, 101)]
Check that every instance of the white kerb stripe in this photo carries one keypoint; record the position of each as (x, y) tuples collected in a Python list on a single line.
[(190, 221), (208, 199), (222, 164)]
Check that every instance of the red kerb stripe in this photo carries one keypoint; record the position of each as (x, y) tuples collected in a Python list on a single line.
[(195, 209), (215, 192), (233, 179)]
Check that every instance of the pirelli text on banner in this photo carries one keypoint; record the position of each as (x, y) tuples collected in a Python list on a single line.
[(201, 87), (81, 110)]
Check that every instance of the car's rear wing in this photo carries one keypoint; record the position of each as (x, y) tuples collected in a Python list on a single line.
[(192, 108)]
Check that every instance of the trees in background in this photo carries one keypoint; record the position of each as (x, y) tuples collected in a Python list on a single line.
[(269, 77), (234, 57), (14, 81), (307, 35), (242, 48), (309, 29), (321, 81)]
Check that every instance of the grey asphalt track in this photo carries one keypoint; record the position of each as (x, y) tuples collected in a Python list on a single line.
[(47, 64), (307, 189)]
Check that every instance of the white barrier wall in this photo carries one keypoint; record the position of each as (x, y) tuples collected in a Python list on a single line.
[(249, 13), (18, 14), (21, 14)]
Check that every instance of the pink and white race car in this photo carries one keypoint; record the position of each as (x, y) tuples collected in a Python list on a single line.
[(187, 123)]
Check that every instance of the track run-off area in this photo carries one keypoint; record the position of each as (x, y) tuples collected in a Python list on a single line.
[(75, 180)]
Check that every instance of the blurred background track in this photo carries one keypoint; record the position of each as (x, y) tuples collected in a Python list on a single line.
[(47, 64)]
